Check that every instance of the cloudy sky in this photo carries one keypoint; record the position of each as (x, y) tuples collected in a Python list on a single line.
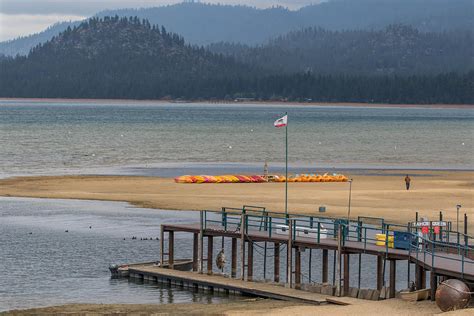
[(24, 17)]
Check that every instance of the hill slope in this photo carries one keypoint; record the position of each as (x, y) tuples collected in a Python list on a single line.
[(203, 24), (397, 49), (130, 59), (117, 57)]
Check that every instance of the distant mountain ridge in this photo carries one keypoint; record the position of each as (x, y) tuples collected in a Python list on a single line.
[(128, 58), (397, 49), (203, 24)]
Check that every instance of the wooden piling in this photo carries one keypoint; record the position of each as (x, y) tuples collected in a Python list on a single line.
[(171, 249), (346, 274), (420, 277), (233, 272), (250, 261), (242, 246), (210, 248), (393, 271), (324, 277), (276, 263), (297, 268), (289, 255), (162, 245), (195, 251), (433, 285), (380, 276)]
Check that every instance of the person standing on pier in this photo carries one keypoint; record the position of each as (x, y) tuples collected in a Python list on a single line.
[(407, 182)]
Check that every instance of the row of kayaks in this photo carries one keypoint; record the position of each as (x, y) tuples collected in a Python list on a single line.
[(220, 179), (311, 178), (260, 179)]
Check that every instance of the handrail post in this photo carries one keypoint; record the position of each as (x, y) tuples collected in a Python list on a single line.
[(319, 232), (270, 226), (365, 238)]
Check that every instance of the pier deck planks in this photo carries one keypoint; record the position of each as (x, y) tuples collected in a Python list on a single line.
[(253, 288)]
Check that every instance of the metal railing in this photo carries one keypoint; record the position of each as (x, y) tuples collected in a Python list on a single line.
[(450, 245)]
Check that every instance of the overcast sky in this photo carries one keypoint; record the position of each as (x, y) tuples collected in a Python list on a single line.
[(24, 17)]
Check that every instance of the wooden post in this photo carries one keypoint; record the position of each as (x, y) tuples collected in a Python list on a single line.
[(380, 275), (210, 248), (162, 246), (276, 264), (339, 259), (171, 249), (420, 277), (234, 258), (297, 268), (325, 266), (346, 274), (250, 261), (393, 271), (201, 242), (289, 255), (242, 247), (433, 284), (195, 251)]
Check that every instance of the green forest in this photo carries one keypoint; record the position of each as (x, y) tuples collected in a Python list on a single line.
[(129, 58)]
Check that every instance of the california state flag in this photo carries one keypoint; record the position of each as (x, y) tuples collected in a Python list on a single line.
[(281, 122)]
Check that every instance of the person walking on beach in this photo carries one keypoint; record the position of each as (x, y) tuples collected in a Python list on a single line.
[(407, 182)]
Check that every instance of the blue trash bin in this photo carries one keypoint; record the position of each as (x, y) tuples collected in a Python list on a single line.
[(402, 240)]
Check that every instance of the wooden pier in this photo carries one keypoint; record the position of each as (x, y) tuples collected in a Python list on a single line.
[(346, 239), (212, 283)]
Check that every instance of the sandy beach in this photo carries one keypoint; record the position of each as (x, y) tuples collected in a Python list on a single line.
[(378, 194), (248, 307)]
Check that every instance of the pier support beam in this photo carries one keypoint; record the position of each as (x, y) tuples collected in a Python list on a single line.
[(276, 263), (420, 277), (234, 258), (346, 275), (393, 271), (195, 251), (250, 261), (325, 266), (433, 285), (171, 249), (380, 275), (210, 248), (297, 268)]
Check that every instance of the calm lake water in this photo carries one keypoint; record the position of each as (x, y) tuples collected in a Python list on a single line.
[(44, 265), (52, 138)]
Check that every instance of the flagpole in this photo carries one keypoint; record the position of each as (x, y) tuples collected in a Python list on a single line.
[(286, 168)]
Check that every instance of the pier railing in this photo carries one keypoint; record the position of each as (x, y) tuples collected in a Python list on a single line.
[(448, 245)]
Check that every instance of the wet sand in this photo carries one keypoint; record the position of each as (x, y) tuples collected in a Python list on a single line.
[(380, 194), (248, 307)]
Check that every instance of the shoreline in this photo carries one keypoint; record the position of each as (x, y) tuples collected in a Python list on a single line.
[(242, 103), (373, 195), (246, 307)]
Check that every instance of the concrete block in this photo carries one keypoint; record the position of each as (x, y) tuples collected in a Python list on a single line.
[(375, 295), (362, 293), (384, 293), (353, 292), (328, 290)]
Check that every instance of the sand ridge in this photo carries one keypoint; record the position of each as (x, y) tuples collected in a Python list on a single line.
[(381, 194)]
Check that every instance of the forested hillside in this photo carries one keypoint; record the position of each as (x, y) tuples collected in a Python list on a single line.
[(397, 49), (203, 24), (129, 58)]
